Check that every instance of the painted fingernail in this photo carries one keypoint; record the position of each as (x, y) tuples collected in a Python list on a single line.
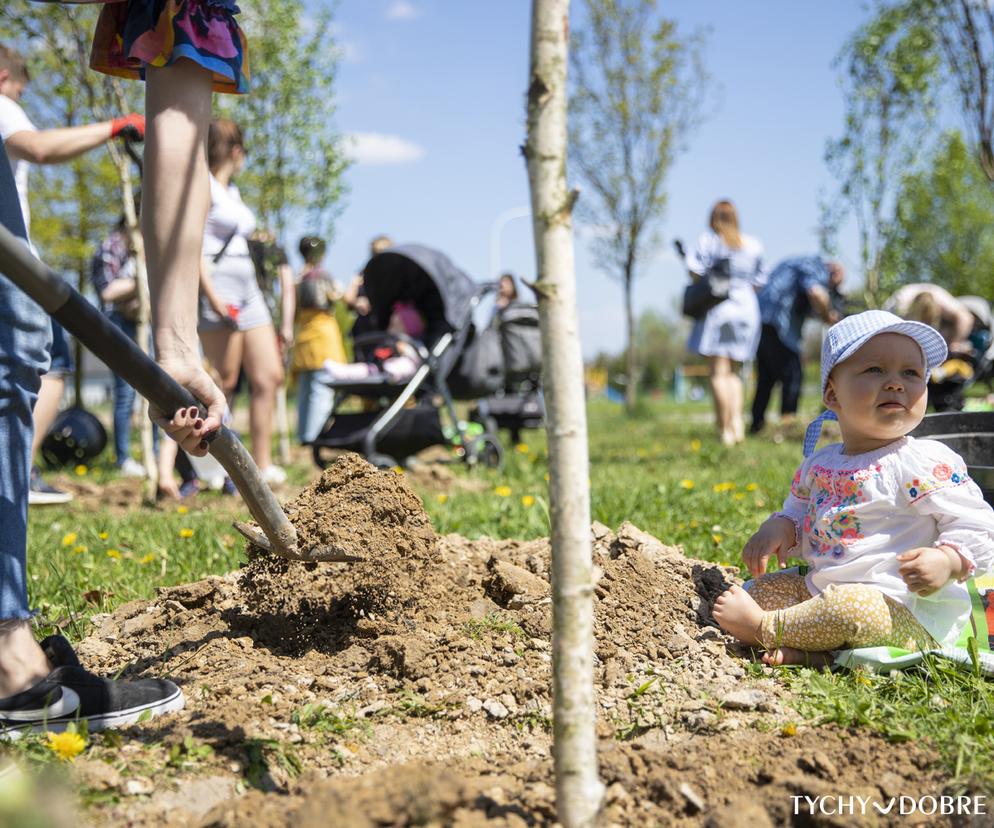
[(199, 424), (192, 412)]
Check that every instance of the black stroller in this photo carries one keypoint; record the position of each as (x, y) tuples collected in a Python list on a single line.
[(455, 363), (519, 404), (949, 382)]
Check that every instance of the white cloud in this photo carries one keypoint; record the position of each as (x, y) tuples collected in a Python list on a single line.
[(378, 148), (402, 10)]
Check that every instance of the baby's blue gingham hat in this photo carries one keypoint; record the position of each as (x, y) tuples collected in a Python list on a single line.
[(844, 338)]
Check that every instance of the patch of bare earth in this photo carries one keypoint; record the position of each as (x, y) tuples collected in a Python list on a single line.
[(412, 688)]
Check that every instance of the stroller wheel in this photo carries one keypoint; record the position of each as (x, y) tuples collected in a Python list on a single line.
[(487, 450), (320, 460), (382, 461)]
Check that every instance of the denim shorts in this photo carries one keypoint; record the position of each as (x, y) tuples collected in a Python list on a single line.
[(62, 361)]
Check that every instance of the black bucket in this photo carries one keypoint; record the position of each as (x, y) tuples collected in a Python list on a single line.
[(971, 435), (75, 437)]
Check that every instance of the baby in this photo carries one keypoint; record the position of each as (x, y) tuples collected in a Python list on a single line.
[(889, 526)]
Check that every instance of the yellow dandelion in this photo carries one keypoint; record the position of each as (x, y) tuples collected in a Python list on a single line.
[(686, 484), (694, 524), (442, 498), (397, 470), (716, 538), (527, 501), (81, 470), (695, 445), (502, 491), (546, 477), (789, 729), (144, 559), (725, 486), (751, 487), (186, 533), (67, 746), (113, 553), (862, 679), (69, 539), (739, 496), (522, 448), (80, 548), (181, 510), (103, 535)]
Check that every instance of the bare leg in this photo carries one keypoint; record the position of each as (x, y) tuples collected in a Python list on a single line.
[(46, 408), (265, 374), (176, 196), (167, 464), (22, 661), (736, 395), (720, 368)]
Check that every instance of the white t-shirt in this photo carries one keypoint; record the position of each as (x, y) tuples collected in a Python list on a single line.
[(228, 212), (855, 513), (14, 119)]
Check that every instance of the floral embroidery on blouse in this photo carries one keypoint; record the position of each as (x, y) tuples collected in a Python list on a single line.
[(797, 487), (831, 523), (943, 476)]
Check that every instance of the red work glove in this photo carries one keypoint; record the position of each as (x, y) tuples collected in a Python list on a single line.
[(130, 126)]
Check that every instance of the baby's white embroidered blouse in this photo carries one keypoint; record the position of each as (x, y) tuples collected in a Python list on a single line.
[(855, 513)]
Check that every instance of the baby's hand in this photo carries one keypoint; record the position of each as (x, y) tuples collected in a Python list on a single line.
[(928, 569), (775, 537)]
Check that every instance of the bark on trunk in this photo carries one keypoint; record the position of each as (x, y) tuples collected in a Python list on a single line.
[(578, 789), (631, 369)]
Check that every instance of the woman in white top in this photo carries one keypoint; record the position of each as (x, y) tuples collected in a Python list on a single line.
[(729, 333), (235, 325)]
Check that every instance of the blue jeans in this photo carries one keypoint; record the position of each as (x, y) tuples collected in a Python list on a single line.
[(314, 404), (25, 340), (124, 399)]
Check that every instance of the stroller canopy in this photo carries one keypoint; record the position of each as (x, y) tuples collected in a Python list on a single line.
[(425, 277)]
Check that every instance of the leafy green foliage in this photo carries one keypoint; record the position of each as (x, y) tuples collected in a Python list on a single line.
[(295, 162), (943, 227)]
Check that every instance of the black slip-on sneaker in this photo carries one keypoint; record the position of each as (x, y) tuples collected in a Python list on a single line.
[(71, 694)]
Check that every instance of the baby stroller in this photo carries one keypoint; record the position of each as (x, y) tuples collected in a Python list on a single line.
[(519, 404), (949, 382), (455, 363)]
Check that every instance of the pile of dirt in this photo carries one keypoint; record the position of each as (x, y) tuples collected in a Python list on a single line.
[(430, 660)]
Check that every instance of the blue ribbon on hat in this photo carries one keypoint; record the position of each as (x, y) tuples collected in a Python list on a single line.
[(813, 431)]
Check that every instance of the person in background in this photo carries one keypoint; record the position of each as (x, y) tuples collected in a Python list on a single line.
[(114, 279), (935, 306), (27, 145), (355, 295), (797, 288), (236, 328), (507, 291), (318, 339), (727, 335)]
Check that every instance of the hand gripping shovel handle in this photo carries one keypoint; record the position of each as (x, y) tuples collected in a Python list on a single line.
[(126, 359)]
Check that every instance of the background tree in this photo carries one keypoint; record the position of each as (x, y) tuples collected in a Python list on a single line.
[(578, 789), (943, 226), (637, 90), (887, 68)]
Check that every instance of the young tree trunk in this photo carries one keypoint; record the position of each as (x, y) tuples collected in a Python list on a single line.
[(578, 789), (631, 369)]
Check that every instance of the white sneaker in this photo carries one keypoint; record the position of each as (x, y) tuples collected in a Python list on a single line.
[(274, 475), (131, 468)]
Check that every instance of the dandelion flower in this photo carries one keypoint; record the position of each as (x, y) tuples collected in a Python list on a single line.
[(103, 535), (716, 538), (502, 491), (527, 501), (686, 484), (113, 553), (789, 729), (694, 524), (751, 487), (69, 539), (442, 498), (186, 533), (739, 495), (397, 470), (725, 486), (67, 746), (695, 445), (181, 510), (80, 548), (81, 470), (146, 558), (522, 448)]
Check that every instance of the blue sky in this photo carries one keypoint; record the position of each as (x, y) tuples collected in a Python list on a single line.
[(435, 93)]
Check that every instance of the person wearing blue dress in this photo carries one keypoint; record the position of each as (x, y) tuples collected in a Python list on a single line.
[(729, 333)]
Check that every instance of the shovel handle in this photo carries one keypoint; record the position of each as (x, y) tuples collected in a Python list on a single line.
[(119, 353)]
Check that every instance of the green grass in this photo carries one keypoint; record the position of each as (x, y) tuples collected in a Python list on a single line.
[(662, 470)]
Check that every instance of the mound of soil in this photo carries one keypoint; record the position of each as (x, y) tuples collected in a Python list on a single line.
[(424, 670)]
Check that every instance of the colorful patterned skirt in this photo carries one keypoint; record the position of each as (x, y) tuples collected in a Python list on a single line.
[(138, 33)]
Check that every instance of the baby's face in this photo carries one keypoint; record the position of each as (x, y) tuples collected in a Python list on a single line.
[(879, 394)]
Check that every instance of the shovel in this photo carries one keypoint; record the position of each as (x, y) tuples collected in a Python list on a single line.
[(277, 535)]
